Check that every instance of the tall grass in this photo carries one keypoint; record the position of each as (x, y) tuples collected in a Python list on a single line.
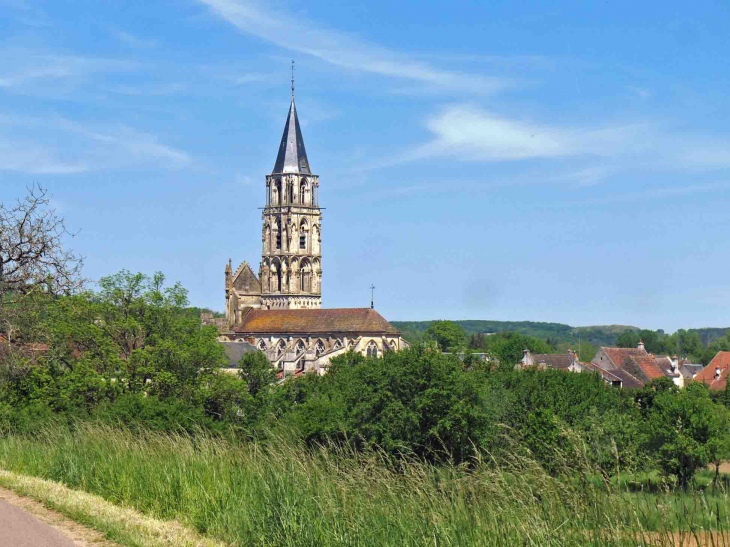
[(279, 493)]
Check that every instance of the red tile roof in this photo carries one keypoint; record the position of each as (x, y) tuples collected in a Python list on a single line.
[(707, 376), (646, 364), (616, 375), (355, 320), (619, 355)]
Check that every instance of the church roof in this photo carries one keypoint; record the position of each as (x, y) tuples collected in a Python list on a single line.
[(292, 157), (355, 320)]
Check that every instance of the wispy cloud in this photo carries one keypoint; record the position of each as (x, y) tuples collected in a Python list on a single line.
[(68, 147), (22, 68), (468, 133), (656, 193), (343, 50), (134, 41)]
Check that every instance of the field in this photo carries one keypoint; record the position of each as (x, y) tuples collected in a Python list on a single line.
[(275, 492)]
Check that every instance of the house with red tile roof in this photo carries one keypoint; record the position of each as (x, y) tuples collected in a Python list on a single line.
[(635, 367), (613, 358), (714, 375), (616, 377)]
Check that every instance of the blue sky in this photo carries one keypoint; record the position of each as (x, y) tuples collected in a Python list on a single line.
[(550, 161)]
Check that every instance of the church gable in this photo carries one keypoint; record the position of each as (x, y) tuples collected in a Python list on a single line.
[(245, 281)]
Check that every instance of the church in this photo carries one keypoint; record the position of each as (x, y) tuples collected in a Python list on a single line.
[(279, 309)]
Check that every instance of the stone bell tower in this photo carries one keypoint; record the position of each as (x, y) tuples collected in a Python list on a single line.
[(291, 259)]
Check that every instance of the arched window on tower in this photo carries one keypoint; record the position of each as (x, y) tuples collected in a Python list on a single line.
[(303, 193), (277, 192), (291, 192), (372, 349), (305, 276), (278, 233), (303, 234)]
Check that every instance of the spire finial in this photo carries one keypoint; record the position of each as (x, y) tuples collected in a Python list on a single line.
[(292, 80), (372, 296)]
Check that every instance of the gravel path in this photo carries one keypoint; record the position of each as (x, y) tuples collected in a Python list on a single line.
[(21, 529)]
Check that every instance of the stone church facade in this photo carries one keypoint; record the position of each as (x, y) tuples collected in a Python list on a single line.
[(279, 311)]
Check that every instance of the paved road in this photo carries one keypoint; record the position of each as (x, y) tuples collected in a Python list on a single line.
[(21, 529)]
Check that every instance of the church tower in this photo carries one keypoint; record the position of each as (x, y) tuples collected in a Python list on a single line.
[(291, 259)]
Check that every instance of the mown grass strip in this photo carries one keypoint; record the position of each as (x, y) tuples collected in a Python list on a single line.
[(123, 525)]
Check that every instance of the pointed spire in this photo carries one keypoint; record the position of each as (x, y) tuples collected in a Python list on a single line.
[(292, 157)]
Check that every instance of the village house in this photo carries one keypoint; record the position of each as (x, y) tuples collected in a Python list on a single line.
[(558, 361), (635, 367), (714, 375)]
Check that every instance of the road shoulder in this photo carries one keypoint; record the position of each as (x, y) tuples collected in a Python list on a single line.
[(75, 533)]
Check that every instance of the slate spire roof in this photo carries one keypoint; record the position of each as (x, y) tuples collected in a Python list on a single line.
[(292, 157)]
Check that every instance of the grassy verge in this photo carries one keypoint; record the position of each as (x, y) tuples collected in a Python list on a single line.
[(280, 494), (122, 525)]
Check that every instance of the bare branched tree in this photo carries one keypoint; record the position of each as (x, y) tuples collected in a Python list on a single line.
[(32, 253)]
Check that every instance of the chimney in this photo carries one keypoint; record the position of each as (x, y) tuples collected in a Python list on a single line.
[(641, 344)]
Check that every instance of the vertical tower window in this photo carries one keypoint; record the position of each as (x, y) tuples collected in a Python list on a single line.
[(303, 234), (303, 194), (277, 193)]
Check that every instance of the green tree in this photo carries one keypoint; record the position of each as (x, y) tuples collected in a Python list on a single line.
[(414, 400), (256, 371), (684, 431), (132, 336), (447, 334)]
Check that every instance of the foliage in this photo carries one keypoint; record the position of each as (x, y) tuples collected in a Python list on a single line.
[(416, 400), (508, 347), (447, 335), (256, 371), (602, 335), (685, 431), (133, 336)]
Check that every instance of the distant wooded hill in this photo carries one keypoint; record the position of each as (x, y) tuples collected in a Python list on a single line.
[(599, 335)]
